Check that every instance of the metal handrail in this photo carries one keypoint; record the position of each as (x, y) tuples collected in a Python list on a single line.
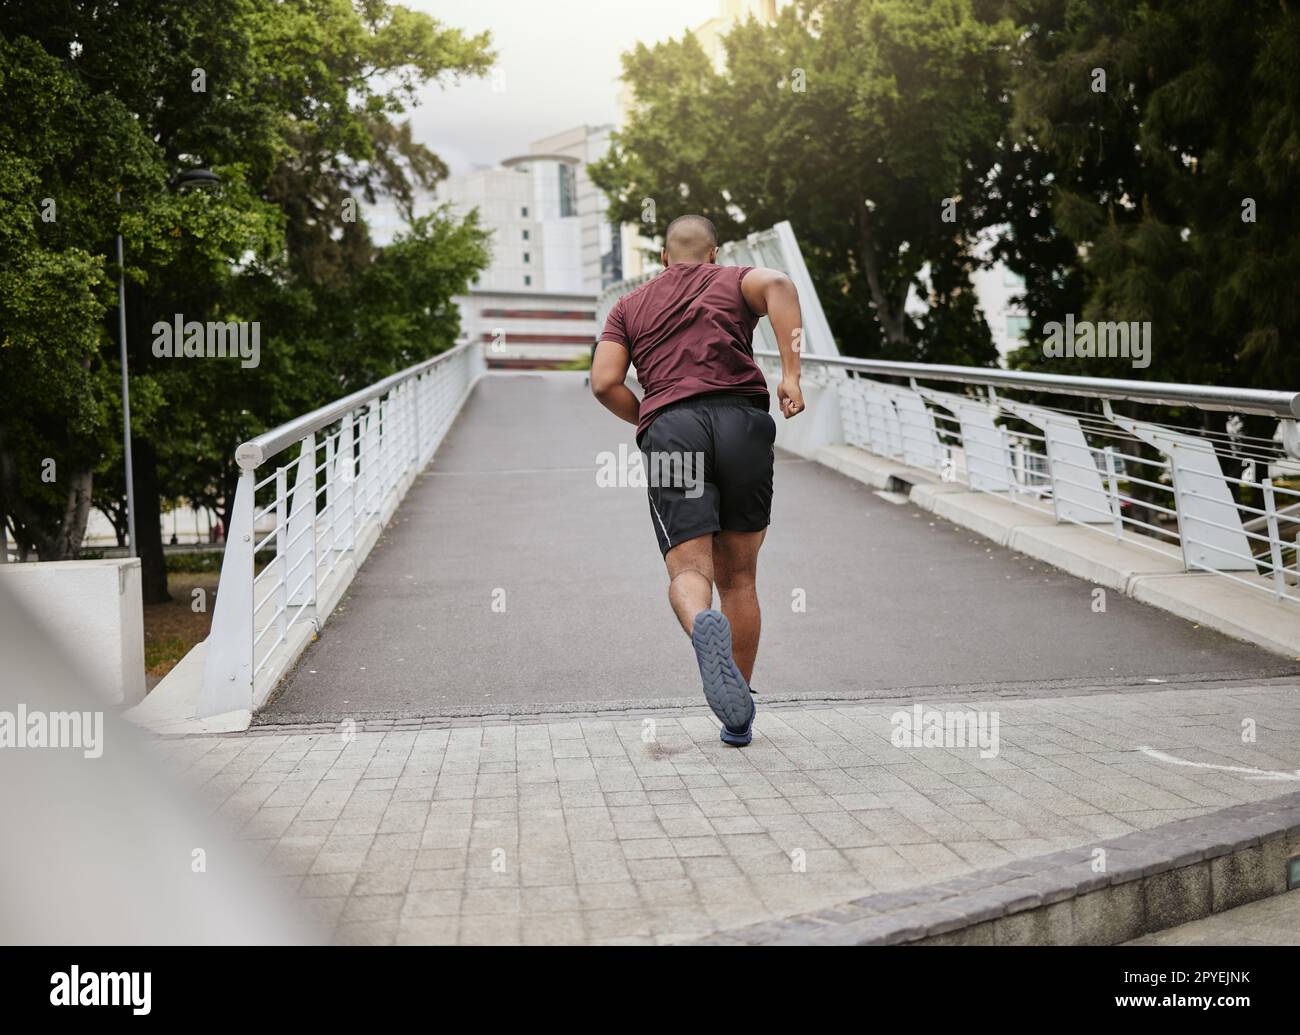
[(1203, 397), (256, 451), (1282, 513), (386, 434), (1056, 461)]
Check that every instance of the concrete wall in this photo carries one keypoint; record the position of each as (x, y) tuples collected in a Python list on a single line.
[(818, 426), (93, 610)]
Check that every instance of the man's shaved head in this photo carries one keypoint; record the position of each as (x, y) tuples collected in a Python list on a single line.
[(690, 239)]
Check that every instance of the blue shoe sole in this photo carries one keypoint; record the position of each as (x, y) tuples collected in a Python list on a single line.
[(739, 740), (724, 687)]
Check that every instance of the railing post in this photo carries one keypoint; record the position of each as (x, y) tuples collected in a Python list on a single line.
[(1112, 486), (387, 440), (390, 442), (282, 549), (345, 474), (382, 443), (409, 396), (356, 428), (363, 470), (370, 456), (331, 493), (302, 525), (415, 404), (1274, 539), (228, 664)]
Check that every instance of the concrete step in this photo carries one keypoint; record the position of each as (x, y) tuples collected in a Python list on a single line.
[(1104, 894)]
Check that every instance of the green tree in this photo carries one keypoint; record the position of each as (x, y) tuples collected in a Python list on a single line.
[(1168, 184), (871, 125), (295, 105), (56, 209)]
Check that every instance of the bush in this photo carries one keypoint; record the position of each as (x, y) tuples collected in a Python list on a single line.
[(195, 561)]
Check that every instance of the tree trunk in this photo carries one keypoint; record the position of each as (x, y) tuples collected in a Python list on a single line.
[(892, 316), (148, 523), (28, 531), (227, 509), (117, 518), (66, 543), (4, 517)]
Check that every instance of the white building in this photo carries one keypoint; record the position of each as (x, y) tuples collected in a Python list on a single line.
[(527, 204), (601, 252), (552, 250), (997, 289), (730, 14)]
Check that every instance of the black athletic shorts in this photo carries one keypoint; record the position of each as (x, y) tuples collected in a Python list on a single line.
[(708, 465)]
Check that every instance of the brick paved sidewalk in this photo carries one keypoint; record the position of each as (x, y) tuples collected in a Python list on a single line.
[(648, 829)]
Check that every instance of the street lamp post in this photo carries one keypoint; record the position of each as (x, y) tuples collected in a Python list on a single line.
[(186, 180), (126, 387)]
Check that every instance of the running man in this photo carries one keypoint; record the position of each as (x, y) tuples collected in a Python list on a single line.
[(704, 420)]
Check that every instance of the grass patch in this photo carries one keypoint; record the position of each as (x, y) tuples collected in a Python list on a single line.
[(171, 629), (583, 362), (198, 561), (209, 562), (161, 655)]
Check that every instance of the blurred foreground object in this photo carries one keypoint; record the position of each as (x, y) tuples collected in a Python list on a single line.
[(103, 844)]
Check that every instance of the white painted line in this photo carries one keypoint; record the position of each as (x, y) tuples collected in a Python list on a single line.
[(1252, 774)]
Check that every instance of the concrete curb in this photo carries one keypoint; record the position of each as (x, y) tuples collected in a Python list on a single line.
[(1140, 566), (1102, 894), (1232, 608)]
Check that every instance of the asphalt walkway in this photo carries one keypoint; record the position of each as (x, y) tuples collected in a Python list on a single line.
[(510, 582)]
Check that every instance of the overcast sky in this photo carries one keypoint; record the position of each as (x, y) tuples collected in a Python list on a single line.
[(560, 64)]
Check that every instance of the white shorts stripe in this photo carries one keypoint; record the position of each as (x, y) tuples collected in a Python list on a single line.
[(667, 538)]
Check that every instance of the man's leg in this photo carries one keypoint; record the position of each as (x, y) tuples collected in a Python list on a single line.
[(735, 566), (685, 523), (690, 575), (690, 591)]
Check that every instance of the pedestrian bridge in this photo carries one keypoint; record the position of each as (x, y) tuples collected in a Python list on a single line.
[(440, 545)]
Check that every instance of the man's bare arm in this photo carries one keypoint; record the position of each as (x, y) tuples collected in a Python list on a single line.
[(609, 368), (772, 294)]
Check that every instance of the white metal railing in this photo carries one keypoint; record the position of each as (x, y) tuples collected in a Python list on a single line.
[(1160, 487), (336, 476)]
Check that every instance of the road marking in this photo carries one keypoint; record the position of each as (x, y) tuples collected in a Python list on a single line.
[(1252, 774)]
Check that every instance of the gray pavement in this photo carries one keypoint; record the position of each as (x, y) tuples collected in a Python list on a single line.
[(648, 830), (899, 603), (1270, 921)]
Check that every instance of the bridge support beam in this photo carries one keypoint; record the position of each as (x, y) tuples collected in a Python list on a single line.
[(1077, 491), (988, 460), (228, 665), (1209, 523)]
